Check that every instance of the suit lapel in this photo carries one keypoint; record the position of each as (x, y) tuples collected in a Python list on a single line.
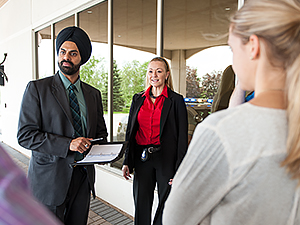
[(165, 111), (59, 92), (139, 103)]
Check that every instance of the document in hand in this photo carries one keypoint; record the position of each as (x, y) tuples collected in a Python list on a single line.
[(104, 153)]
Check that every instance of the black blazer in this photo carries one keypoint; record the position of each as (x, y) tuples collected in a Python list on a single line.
[(45, 127), (173, 131)]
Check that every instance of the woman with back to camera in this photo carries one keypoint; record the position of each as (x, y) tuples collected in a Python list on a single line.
[(243, 163), (157, 132)]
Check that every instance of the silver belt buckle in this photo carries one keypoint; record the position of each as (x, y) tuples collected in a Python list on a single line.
[(150, 149)]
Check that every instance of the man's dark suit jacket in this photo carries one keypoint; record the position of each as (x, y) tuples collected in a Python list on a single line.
[(45, 127), (173, 131)]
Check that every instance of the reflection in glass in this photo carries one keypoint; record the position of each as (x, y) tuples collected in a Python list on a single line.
[(196, 43)]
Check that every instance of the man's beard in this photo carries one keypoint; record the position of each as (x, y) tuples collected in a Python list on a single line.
[(68, 70)]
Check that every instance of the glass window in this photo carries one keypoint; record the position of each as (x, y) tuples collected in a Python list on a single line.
[(70, 21), (195, 40), (94, 22), (134, 46), (95, 72), (44, 52), (134, 37)]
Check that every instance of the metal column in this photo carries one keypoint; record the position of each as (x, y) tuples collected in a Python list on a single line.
[(160, 28), (53, 47), (110, 70)]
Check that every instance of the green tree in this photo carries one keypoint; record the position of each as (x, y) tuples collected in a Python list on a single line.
[(118, 100), (94, 73), (126, 82), (209, 84), (192, 83), (133, 76)]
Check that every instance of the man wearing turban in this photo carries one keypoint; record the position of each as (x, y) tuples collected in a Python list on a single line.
[(47, 127)]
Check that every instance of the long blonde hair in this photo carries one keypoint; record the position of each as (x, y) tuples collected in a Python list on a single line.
[(169, 81), (278, 24)]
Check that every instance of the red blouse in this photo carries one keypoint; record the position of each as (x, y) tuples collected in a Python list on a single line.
[(149, 119)]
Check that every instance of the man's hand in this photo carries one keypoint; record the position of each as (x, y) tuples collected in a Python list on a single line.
[(80, 144), (126, 173)]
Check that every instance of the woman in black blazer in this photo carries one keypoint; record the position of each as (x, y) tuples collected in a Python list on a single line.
[(157, 132)]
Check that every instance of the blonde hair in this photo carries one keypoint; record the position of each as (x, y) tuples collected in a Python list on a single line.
[(169, 81), (277, 23)]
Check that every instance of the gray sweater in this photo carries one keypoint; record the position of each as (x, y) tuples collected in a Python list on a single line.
[(231, 174)]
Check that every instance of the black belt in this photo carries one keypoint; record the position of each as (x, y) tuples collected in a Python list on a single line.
[(146, 150), (152, 149)]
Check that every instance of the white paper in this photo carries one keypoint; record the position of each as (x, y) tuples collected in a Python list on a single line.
[(102, 153)]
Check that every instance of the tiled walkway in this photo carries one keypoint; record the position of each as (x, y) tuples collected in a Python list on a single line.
[(101, 213)]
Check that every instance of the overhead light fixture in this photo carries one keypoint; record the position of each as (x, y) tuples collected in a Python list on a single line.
[(90, 12), (227, 8)]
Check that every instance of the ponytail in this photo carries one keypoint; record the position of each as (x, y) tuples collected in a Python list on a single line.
[(292, 160)]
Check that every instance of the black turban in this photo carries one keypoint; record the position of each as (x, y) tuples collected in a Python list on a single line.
[(79, 37)]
